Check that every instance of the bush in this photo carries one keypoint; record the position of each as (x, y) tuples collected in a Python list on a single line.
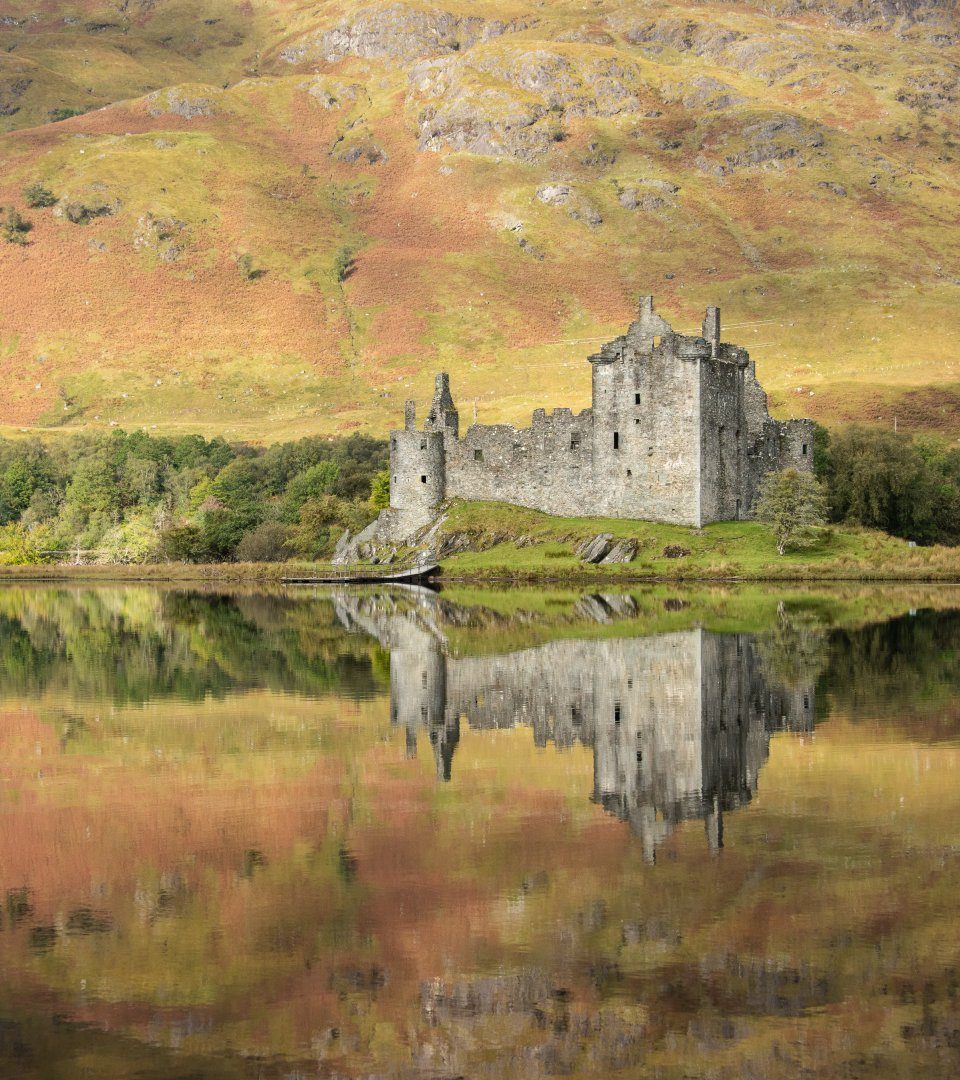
[(380, 490), (15, 228), (39, 196), (343, 263), (265, 543)]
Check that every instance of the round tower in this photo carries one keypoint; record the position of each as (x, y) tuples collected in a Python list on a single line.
[(417, 475)]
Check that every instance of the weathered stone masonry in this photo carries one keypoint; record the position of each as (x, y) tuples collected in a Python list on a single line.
[(679, 432)]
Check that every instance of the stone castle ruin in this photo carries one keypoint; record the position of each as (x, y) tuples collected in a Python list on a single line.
[(678, 432)]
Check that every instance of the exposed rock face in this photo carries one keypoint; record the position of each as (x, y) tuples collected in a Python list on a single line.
[(165, 237), (513, 100), (595, 550), (399, 31), (576, 205), (177, 103), (647, 195)]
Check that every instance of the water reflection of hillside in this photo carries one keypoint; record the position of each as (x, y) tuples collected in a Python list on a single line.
[(679, 723)]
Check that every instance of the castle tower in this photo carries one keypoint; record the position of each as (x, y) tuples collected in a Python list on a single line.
[(417, 472)]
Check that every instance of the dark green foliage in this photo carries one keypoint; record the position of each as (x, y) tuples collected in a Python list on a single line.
[(56, 115), (39, 196), (908, 487), (15, 228)]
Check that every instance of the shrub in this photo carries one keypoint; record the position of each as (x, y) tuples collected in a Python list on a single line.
[(246, 267), (15, 228), (265, 543), (56, 115), (38, 196), (380, 490), (343, 263)]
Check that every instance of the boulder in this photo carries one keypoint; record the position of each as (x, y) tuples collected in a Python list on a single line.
[(594, 551), (623, 551)]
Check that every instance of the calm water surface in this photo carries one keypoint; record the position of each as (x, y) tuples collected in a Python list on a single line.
[(395, 834)]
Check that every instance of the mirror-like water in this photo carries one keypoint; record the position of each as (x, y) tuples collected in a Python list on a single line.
[(388, 833)]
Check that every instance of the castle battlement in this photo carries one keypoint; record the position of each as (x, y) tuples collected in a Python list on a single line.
[(678, 432)]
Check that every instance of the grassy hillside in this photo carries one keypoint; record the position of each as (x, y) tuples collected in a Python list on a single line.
[(276, 219)]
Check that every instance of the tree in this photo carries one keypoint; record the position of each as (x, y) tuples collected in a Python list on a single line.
[(794, 505), (265, 543), (380, 490), (312, 483)]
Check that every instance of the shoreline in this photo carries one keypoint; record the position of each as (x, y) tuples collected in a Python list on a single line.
[(273, 573)]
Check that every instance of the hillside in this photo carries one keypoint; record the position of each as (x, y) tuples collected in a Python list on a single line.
[(493, 182)]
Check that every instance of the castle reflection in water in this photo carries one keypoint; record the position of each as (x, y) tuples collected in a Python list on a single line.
[(679, 723)]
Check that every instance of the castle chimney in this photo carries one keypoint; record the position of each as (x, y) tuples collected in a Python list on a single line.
[(711, 328), (646, 307), (409, 415)]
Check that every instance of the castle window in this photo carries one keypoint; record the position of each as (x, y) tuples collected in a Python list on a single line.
[(629, 472), (637, 421), (423, 712), (423, 479), (478, 455), (806, 701), (804, 450), (574, 442), (738, 509), (616, 714), (636, 399), (616, 440), (721, 431), (737, 433), (639, 755), (423, 444)]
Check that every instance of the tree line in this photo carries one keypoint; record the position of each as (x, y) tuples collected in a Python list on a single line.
[(136, 497), (906, 486)]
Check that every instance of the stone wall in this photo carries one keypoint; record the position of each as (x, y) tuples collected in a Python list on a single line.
[(546, 466)]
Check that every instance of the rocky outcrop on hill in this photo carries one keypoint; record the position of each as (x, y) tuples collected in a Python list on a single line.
[(399, 31)]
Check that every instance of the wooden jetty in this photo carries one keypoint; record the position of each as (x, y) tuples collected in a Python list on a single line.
[(411, 575)]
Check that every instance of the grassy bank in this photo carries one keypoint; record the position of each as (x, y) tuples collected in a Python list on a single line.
[(496, 542), (504, 542)]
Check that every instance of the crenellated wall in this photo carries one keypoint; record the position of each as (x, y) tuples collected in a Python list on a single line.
[(546, 466)]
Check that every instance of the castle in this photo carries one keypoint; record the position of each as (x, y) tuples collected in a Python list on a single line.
[(678, 432)]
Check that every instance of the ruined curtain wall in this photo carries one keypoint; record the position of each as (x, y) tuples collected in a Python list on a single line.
[(546, 466)]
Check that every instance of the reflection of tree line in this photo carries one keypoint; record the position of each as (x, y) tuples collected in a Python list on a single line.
[(132, 645)]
